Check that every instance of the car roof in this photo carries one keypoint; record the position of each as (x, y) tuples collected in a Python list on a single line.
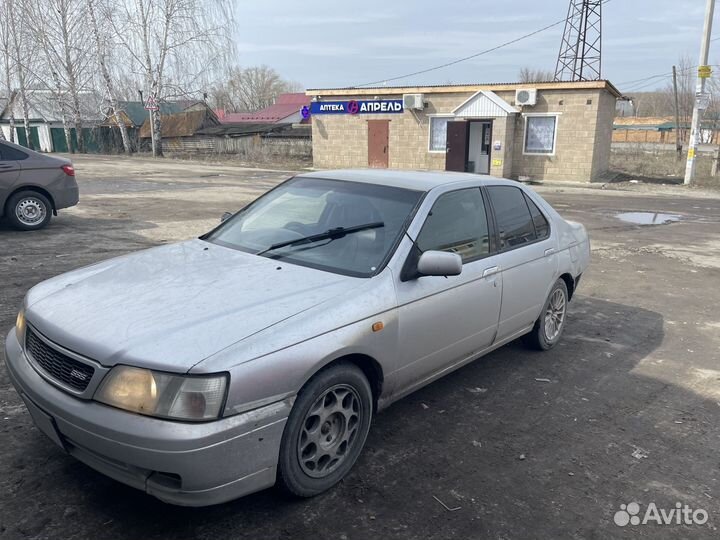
[(415, 180)]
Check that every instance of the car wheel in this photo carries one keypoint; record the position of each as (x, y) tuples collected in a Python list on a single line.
[(28, 210), (550, 325), (326, 430)]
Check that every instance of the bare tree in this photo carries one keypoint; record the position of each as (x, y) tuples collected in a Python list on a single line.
[(174, 46), (686, 77), (250, 89), (531, 75), (21, 54), (60, 27), (6, 50), (100, 50)]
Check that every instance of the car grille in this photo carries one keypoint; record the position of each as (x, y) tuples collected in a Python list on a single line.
[(57, 365)]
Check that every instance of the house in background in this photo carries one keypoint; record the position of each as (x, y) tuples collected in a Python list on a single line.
[(46, 127), (180, 130), (133, 114), (286, 110)]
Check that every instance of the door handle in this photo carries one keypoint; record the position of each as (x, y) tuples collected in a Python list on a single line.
[(491, 271), (549, 251)]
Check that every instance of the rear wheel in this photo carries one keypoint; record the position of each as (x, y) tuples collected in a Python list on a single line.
[(326, 430), (28, 210), (550, 325)]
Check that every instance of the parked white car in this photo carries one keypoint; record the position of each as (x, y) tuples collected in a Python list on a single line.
[(205, 370)]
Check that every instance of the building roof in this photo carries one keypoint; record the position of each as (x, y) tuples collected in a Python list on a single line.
[(445, 88), (182, 124), (44, 106), (136, 113), (415, 180), (285, 105)]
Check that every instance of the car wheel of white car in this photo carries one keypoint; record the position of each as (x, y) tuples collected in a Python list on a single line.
[(326, 430), (28, 210), (550, 325)]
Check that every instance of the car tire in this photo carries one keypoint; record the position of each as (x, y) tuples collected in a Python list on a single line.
[(326, 430), (28, 210), (549, 327)]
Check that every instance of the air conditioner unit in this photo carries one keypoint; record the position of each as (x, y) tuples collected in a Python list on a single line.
[(413, 101), (526, 97)]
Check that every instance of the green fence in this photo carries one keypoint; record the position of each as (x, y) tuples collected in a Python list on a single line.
[(34, 137), (60, 143)]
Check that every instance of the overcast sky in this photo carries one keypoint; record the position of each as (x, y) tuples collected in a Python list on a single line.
[(323, 44)]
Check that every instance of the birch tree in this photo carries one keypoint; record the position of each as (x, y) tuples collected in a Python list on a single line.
[(102, 58), (174, 45), (8, 64), (21, 53), (60, 27)]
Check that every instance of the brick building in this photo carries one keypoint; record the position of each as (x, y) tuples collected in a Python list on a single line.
[(551, 130)]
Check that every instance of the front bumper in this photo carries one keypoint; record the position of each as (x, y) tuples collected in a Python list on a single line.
[(181, 463)]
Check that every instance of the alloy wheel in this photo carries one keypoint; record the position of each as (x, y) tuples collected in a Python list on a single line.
[(555, 315), (329, 430)]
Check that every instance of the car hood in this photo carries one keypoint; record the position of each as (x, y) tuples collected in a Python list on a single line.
[(170, 307)]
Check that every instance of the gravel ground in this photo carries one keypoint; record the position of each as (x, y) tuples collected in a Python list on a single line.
[(518, 444)]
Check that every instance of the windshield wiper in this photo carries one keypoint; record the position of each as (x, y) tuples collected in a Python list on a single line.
[(331, 234)]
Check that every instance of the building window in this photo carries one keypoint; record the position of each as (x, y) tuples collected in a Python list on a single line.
[(438, 133), (540, 134)]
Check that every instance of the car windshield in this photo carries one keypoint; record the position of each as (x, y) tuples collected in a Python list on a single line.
[(349, 228)]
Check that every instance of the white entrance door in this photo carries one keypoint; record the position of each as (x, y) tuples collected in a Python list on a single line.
[(479, 147)]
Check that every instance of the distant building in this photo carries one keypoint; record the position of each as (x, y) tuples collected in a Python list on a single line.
[(46, 127), (286, 110), (133, 113), (180, 129), (539, 131)]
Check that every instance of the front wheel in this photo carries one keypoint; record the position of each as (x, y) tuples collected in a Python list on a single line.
[(551, 323), (326, 430), (28, 210)]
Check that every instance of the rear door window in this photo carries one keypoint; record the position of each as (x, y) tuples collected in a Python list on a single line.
[(542, 227), (8, 153), (515, 224)]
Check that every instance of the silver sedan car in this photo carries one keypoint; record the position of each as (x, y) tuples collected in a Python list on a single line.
[(258, 353)]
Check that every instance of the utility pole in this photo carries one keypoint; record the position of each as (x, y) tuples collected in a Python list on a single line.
[(701, 101), (678, 132)]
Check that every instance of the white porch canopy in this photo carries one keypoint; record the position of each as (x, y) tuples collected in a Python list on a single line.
[(485, 104)]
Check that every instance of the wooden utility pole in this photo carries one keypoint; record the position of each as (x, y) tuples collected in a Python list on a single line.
[(701, 99), (678, 131)]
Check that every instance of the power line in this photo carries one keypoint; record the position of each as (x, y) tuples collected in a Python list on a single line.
[(466, 58)]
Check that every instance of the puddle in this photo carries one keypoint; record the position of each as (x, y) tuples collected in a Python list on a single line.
[(648, 218)]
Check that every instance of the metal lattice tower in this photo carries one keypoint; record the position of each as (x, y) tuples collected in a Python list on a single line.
[(580, 57)]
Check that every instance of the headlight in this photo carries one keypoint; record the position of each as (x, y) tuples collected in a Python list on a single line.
[(153, 393), (20, 327)]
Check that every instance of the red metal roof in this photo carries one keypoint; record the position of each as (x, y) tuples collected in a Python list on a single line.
[(285, 105)]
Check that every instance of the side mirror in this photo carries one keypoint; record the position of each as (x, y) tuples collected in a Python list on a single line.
[(225, 216), (439, 263)]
